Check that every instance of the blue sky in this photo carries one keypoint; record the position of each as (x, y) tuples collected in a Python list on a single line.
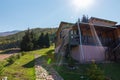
[(21, 14)]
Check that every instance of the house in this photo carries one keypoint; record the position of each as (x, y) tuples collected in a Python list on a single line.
[(96, 40)]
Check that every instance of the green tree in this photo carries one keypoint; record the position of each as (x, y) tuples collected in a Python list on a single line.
[(41, 41), (26, 43), (34, 37), (47, 41), (85, 19)]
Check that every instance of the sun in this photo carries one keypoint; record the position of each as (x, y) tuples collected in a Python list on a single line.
[(82, 4)]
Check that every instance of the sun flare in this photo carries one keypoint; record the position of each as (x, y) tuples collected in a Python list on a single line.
[(82, 4)]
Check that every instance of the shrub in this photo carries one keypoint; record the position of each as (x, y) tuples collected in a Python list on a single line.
[(23, 53), (18, 56), (94, 73), (11, 59), (71, 62)]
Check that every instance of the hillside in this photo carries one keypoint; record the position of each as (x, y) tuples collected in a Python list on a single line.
[(8, 33), (13, 40), (19, 35)]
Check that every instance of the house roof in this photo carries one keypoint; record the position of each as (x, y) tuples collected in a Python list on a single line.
[(100, 25), (63, 23), (118, 26), (94, 18), (82, 23)]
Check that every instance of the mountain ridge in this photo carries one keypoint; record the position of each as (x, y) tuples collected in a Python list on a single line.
[(20, 34), (7, 33)]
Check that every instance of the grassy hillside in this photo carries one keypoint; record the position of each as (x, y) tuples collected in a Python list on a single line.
[(13, 41), (19, 35), (23, 68)]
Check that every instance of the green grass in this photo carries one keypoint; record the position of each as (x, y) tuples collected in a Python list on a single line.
[(47, 53), (22, 69), (68, 74), (111, 70)]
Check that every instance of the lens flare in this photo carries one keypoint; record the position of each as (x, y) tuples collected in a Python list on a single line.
[(82, 4)]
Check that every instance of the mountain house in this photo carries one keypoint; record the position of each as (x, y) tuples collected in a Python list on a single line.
[(98, 40)]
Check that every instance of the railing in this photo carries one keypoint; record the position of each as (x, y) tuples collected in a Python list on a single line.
[(89, 40), (74, 39)]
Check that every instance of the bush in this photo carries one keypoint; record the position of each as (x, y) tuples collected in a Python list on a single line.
[(23, 53), (18, 56), (94, 73), (11, 59), (71, 62)]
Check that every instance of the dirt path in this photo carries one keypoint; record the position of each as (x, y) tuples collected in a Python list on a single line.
[(45, 71), (9, 53), (4, 56)]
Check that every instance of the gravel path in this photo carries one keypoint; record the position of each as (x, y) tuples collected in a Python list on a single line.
[(45, 71)]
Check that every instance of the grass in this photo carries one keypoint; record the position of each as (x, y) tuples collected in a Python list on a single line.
[(23, 68), (18, 70), (47, 53), (68, 74), (111, 70)]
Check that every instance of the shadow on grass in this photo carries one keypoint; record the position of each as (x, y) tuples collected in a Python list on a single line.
[(42, 62), (11, 51), (50, 55), (31, 63)]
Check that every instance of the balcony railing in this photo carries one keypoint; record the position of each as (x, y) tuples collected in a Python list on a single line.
[(74, 39), (89, 40)]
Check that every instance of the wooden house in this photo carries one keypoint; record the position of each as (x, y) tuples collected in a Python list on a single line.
[(96, 40)]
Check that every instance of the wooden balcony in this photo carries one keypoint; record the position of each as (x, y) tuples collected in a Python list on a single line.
[(74, 40), (88, 40)]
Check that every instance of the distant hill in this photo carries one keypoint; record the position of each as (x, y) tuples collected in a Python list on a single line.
[(20, 34), (13, 40), (8, 33)]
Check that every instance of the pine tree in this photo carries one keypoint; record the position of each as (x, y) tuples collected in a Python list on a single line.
[(34, 39), (41, 41), (26, 43), (85, 19), (47, 41)]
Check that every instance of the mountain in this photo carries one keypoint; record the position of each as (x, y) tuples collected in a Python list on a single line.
[(18, 35), (13, 40), (8, 33)]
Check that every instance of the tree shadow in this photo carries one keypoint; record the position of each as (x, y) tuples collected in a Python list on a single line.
[(29, 64), (50, 51), (50, 55), (11, 51), (41, 61)]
